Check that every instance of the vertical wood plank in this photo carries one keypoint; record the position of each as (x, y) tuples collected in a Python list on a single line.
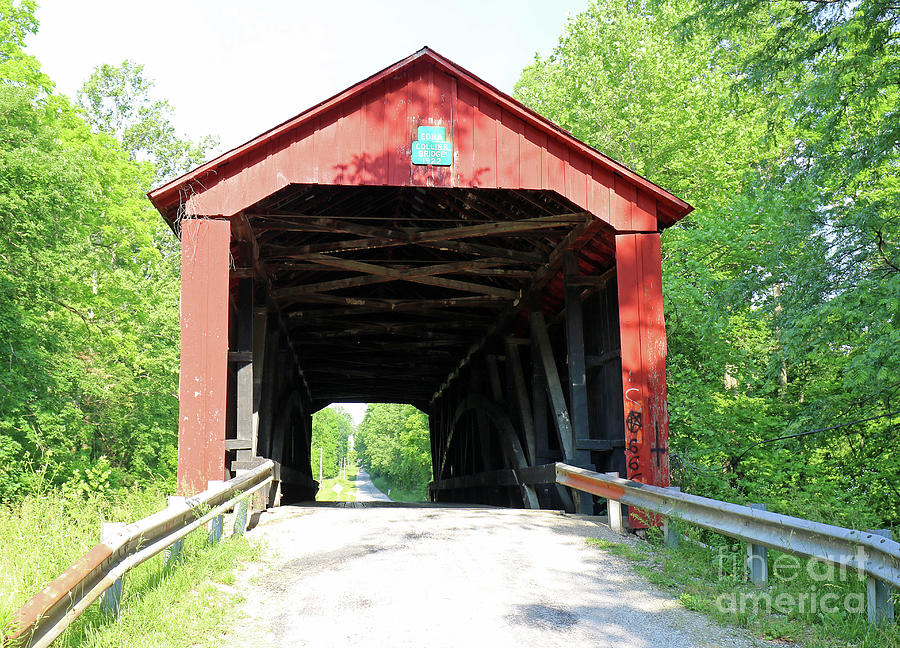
[(622, 199), (509, 131), (598, 192), (376, 154), (327, 142), (487, 116), (351, 163), (578, 404), (418, 91), (653, 354), (395, 132), (643, 213), (443, 98), (530, 157), (205, 252), (555, 162), (464, 136)]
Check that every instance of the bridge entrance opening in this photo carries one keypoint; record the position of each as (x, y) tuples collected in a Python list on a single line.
[(506, 281)]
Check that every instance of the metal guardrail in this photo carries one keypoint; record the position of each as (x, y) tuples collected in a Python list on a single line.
[(875, 555), (47, 614)]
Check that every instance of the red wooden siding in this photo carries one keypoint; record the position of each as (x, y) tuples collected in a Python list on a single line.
[(204, 352), (366, 139), (643, 339)]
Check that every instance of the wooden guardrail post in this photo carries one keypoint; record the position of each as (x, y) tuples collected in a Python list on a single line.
[(758, 558), (670, 534), (111, 600), (216, 525), (879, 606), (614, 509), (172, 555)]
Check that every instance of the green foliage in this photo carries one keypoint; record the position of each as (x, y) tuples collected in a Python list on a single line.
[(43, 534), (348, 488), (393, 442), (778, 122), (117, 101), (331, 429), (88, 286), (709, 577)]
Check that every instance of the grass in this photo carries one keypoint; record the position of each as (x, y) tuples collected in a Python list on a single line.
[(179, 606), (348, 493), (398, 493), (712, 580)]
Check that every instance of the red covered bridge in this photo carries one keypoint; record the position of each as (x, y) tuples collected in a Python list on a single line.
[(423, 238)]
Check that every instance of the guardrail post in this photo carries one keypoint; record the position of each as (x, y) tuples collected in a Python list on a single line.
[(614, 509), (240, 516), (172, 554), (111, 599), (670, 535), (879, 606), (758, 558), (216, 525)]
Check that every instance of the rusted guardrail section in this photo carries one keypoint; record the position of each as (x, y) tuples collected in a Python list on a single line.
[(47, 614), (870, 553)]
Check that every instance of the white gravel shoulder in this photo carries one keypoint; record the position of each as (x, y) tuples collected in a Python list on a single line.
[(406, 575)]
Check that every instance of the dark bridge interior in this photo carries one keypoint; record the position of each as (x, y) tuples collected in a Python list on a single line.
[(385, 290), (423, 296)]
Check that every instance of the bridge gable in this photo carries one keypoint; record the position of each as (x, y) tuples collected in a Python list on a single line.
[(364, 136)]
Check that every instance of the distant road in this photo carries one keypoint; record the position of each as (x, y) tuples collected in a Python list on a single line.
[(366, 491)]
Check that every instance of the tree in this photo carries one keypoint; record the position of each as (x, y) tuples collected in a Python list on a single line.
[(88, 304), (778, 121), (331, 428), (118, 101), (393, 441)]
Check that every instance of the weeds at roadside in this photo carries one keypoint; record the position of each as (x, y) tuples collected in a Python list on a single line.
[(710, 576), (161, 607)]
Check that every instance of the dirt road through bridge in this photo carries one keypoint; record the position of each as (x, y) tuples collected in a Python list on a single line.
[(382, 574)]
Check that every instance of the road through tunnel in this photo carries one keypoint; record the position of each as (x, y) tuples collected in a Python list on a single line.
[(423, 238)]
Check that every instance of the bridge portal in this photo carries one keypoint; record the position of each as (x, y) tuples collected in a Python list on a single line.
[(424, 238)]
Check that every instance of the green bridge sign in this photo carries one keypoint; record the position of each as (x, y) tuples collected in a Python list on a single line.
[(431, 147)]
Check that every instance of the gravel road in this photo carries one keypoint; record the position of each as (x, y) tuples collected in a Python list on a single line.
[(366, 491), (392, 575)]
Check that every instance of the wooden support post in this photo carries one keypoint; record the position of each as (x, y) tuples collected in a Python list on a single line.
[(278, 413), (554, 387), (494, 377), (643, 343), (879, 604), (111, 599), (244, 418), (268, 387), (577, 375), (260, 330), (521, 394), (204, 352), (539, 408), (758, 558)]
